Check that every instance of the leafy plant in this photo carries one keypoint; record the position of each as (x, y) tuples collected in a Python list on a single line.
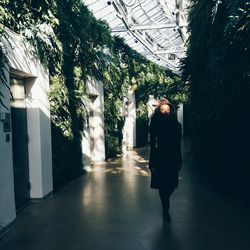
[(73, 45), (217, 67)]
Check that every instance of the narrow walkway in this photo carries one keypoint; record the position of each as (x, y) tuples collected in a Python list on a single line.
[(113, 208)]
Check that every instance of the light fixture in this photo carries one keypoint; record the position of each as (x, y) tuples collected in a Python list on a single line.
[(171, 56), (176, 11)]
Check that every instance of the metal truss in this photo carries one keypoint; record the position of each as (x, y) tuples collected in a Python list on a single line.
[(155, 28)]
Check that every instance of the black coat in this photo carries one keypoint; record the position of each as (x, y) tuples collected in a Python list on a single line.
[(165, 151)]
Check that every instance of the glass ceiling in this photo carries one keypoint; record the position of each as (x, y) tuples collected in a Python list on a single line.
[(154, 28)]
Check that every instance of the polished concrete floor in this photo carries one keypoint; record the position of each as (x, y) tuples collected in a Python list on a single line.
[(113, 208)]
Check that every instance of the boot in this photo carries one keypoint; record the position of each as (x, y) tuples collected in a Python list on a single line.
[(166, 217)]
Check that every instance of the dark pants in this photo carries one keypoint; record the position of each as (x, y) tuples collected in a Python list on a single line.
[(164, 196)]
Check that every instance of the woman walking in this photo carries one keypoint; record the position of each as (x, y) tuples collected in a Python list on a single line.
[(165, 153)]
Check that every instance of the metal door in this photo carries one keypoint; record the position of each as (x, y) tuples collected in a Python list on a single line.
[(20, 143)]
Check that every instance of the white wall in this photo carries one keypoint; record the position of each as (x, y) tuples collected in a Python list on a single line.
[(180, 115), (151, 104), (129, 130), (25, 64), (93, 143), (7, 201), (86, 146)]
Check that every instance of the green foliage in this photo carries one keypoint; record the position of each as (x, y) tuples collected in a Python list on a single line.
[(59, 101), (159, 83), (74, 46), (218, 69), (66, 37), (3, 79), (142, 123), (154, 80), (114, 85), (79, 59), (2, 57)]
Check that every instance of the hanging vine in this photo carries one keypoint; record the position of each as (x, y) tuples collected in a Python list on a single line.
[(218, 69), (73, 52)]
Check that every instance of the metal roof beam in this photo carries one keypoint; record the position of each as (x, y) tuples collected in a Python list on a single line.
[(125, 15), (146, 27), (162, 52), (181, 19)]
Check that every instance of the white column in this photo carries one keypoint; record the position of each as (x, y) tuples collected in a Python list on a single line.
[(7, 199), (86, 151), (151, 104), (180, 115), (39, 131), (93, 144), (130, 121), (98, 121)]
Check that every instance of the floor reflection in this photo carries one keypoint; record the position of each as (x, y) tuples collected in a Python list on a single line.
[(112, 207), (165, 239)]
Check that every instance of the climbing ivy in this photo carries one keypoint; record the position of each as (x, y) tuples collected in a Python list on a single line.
[(73, 45), (218, 68), (145, 78)]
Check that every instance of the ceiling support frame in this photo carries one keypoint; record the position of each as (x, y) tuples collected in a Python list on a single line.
[(133, 29)]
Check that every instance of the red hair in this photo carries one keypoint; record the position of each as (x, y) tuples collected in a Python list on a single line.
[(164, 101)]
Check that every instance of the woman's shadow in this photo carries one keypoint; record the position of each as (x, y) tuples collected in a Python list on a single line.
[(165, 239)]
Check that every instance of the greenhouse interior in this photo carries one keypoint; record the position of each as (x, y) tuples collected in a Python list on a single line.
[(116, 124)]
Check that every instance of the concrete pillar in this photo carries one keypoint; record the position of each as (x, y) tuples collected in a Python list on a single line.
[(129, 130), (93, 143), (86, 146), (180, 115), (39, 131), (7, 200), (152, 103)]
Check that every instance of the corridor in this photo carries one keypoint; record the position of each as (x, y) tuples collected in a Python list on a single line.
[(113, 208)]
